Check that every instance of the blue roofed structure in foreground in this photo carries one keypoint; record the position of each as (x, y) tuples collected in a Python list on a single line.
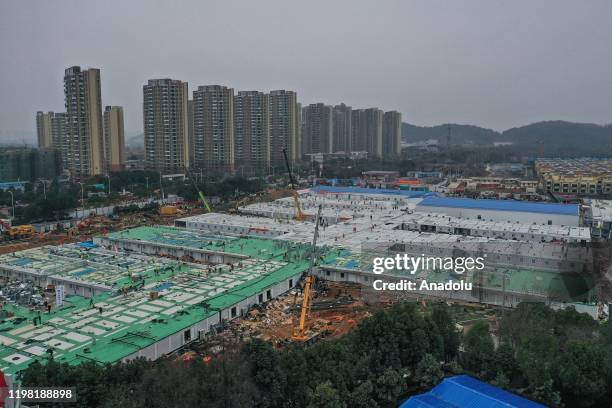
[(501, 205), (463, 391)]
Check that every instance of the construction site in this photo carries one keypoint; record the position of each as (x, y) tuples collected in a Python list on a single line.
[(295, 269)]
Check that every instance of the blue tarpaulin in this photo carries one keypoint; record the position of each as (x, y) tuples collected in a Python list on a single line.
[(464, 391)]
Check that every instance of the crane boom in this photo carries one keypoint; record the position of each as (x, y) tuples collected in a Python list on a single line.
[(299, 215), (299, 332), (200, 194)]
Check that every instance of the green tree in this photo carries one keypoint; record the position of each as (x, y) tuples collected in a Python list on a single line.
[(582, 375), (325, 396), (504, 361), (479, 348), (536, 357), (361, 396), (428, 372), (389, 386)]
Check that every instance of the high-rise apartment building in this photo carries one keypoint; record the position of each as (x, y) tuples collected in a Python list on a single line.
[(58, 131), (28, 164), (83, 139), (166, 127), (284, 131), (359, 134), (114, 139), (213, 128), (392, 134), (374, 121), (318, 129), (51, 131), (44, 129), (58, 134), (298, 140), (343, 129), (190, 130), (252, 130)]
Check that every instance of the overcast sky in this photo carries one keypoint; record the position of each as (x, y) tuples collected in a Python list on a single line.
[(493, 63)]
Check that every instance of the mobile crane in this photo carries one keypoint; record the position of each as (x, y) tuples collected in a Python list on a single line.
[(299, 331), (10, 232), (299, 215)]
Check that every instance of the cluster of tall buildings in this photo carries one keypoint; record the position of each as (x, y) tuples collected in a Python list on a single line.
[(216, 129), (221, 131), (89, 141), (213, 128), (27, 164), (333, 129)]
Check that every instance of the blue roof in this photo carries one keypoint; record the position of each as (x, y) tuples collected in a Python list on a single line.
[(87, 244), (360, 190), (463, 391), (13, 184), (501, 205)]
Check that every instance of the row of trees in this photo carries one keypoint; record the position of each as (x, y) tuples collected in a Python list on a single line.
[(36, 204), (560, 358)]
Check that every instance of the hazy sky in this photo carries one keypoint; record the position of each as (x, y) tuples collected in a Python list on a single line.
[(496, 63)]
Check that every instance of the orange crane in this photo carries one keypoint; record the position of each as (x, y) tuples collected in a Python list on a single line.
[(299, 331), (299, 215)]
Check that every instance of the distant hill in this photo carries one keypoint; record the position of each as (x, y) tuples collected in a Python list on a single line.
[(460, 134), (136, 141), (550, 137)]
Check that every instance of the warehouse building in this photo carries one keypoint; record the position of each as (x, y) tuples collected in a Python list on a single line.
[(522, 212), (464, 391), (441, 223), (148, 307), (599, 217)]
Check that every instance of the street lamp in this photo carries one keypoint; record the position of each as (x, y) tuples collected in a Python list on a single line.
[(161, 187), (44, 188), (82, 200), (108, 177), (12, 202)]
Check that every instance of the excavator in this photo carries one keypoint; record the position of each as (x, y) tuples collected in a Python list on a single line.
[(299, 331), (299, 215)]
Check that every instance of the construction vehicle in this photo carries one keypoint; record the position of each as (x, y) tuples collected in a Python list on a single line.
[(299, 215), (239, 204), (169, 210), (10, 232), (299, 331)]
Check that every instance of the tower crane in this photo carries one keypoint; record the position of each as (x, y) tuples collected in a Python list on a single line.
[(299, 331)]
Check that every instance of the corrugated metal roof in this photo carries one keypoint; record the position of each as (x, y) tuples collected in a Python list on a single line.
[(360, 190), (501, 205), (467, 392)]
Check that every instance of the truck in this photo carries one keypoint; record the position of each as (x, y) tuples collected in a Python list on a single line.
[(10, 232)]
